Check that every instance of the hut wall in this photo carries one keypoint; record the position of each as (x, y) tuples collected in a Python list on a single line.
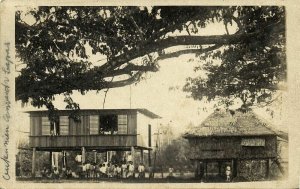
[(231, 147), (252, 170)]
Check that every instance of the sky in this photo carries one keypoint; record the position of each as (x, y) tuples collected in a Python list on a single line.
[(153, 93)]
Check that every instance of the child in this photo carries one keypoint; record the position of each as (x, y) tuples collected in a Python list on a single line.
[(124, 169), (141, 169), (130, 170), (228, 173), (56, 173)]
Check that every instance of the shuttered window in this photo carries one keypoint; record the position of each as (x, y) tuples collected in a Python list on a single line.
[(64, 125), (253, 142), (94, 124), (45, 126), (122, 124)]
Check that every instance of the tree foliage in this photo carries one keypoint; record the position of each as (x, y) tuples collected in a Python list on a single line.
[(175, 155), (252, 70), (56, 49)]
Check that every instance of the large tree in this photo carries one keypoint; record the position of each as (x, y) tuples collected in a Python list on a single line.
[(54, 49)]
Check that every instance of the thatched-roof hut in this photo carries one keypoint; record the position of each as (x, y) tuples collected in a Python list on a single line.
[(235, 139)]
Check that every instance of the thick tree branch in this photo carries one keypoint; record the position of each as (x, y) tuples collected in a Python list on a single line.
[(150, 46), (127, 70), (125, 82), (188, 51)]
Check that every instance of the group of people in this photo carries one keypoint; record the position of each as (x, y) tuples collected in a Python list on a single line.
[(122, 170), (51, 173), (103, 170)]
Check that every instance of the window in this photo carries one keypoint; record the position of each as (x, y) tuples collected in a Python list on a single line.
[(59, 127), (253, 142), (108, 124), (122, 124)]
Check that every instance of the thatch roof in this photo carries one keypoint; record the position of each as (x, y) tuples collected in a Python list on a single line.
[(231, 123)]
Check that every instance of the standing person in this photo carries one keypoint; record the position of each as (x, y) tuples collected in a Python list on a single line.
[(63, 172), (124, 169), (103, 173), (228, 173), (119, 171), (55, 173), (69, 173), (141, 170), (151, 172), (130, 170), (96, 170), (88, 170), (92, 170), (84, 171), (171, 170), (49, 173), (129, 158), (109, 170), (44, 172), (113, 170)]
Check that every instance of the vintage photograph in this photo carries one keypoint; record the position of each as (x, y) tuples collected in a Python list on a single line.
[(151, 94)]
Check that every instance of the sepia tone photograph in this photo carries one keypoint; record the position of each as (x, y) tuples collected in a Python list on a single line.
[(149, 94)]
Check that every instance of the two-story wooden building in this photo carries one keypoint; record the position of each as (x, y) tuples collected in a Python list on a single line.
[(97, 130), (236, 139)]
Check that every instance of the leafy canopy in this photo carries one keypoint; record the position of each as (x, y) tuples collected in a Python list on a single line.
[(56, 49)]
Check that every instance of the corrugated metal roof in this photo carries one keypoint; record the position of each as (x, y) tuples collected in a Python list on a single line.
[(231, 123)]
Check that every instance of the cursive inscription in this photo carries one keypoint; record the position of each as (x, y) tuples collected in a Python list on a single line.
[(6, 69)]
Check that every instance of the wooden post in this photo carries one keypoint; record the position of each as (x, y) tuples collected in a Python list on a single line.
[(149, 136), (83, 154), (95, 157), (133, 158), (196, 168), (50, 159), (232, 169), (132, 154), (142, 156), (64, 159), (205, 168), (33, 161), (149, 158), (268, 168), (237, 167)]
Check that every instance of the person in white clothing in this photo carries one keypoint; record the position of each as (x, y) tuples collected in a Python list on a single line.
[(141, 169), (228, 173), (124, 169), (129, 158), (130, 170)]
